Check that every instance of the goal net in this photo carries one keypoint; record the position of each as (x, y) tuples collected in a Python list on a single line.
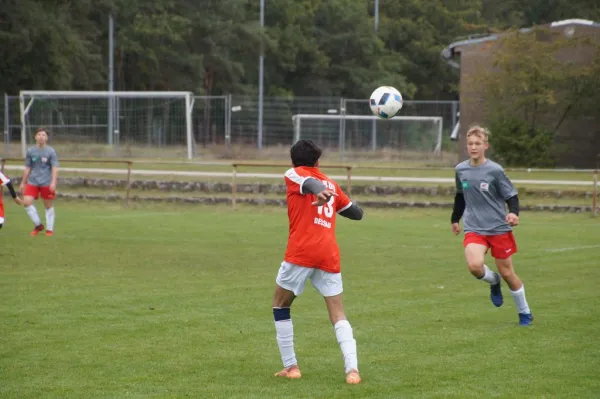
[(354, 133), (103, 123)]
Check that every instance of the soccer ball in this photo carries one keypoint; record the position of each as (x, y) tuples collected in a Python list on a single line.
[(385, 102)]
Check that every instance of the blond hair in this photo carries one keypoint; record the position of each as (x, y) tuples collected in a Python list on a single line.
[(478, 131)]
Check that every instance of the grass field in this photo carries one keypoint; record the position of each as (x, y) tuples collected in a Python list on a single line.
[(157, 301)]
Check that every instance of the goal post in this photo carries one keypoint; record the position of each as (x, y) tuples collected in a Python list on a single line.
[(431, 126), (101, 120)]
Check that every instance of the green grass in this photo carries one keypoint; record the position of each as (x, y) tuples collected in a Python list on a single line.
[(158, 301)]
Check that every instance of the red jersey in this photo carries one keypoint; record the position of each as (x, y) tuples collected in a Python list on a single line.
[(312, 241)]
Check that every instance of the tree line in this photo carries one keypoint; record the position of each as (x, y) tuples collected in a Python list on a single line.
[(211, 47)]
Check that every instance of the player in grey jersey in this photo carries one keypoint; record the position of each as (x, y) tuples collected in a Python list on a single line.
[(39, 178), (482, 192)]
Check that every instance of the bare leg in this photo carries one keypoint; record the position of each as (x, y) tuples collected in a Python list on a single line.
[(475, 256)]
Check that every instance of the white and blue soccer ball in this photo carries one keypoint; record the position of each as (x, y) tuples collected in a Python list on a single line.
[(385, 102)]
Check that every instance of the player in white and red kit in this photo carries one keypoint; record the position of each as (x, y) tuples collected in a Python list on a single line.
[(312, 253), (5, 181)]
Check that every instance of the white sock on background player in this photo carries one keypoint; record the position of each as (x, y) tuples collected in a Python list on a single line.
[(33, 215), (490, 276), (520, 301), (50, 219)]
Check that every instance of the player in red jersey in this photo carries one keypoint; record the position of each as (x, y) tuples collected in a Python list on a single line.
[(5, 181), (312, 253)]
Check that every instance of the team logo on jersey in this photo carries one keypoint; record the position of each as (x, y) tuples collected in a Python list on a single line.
[(44, 159), (483, 186), (465, 184)]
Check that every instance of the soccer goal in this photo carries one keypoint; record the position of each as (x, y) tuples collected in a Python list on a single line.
[(110, 123), (360, 132)]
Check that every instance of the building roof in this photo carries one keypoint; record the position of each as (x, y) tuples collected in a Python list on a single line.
[(449, 52)]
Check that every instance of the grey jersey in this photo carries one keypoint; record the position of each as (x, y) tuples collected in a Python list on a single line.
[(41, 161), (486, 189)]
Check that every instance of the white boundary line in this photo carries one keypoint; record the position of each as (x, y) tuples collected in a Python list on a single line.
[(141, 172), (572, 248)]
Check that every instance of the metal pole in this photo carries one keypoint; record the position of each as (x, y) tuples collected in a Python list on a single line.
[(23, 132), (454, 112), (342, 134), (376, 15), (261, 62), (6, 125), (111, 63)]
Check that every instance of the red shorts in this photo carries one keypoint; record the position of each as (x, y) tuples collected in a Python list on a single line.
[(35, 191), (503, 245)]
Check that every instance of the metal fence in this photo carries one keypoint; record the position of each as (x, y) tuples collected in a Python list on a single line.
[(222, 125)]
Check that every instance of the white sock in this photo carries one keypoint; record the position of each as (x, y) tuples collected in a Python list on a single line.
[(343, 333), (520, 300), (489, 276), (33, 215), (50, 219), (285, 340)]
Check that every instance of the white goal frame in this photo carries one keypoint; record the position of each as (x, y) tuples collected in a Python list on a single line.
[(31, 95), (437, 120)]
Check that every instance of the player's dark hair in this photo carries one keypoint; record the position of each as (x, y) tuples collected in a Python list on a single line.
[(305, 153), (42, 129)]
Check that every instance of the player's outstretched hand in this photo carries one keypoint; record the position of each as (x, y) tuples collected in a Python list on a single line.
[(512, 219), (323, 197), (18, 201), (456, 228)]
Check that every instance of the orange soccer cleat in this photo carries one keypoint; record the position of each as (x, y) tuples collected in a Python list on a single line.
[(292, 372), (49, 233), (352, 377), (37, 229)]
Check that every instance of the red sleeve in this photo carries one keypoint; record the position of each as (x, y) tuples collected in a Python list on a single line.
[(294, 180), (342, 201)]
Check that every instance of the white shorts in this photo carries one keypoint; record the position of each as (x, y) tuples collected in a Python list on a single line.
[(293, 278)]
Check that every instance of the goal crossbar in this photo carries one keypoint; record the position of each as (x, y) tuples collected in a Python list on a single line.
[(31, 95), (103, 94), (437, 120)]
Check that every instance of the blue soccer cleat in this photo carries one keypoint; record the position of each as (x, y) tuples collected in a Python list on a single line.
[(496, 292), (525, 319)]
